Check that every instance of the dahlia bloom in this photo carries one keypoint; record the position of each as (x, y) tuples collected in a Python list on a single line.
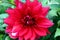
[(27, 21)]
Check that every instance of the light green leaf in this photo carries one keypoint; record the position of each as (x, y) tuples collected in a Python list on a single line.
[(44, 2), (1, 21), (57, 32), (0, 2), (51, 14), (23, 1), (55, 6), (4, 25), (7, 38), (4, 15), (5, 4), (58, 23), (52, 2), (58, 1), (1, 29)]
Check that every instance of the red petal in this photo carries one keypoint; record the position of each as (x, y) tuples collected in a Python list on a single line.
[(18, 4), (10, 11), (23, 31), (45, 23), (14, 12), (16, 28), (45, 11), (33, 36), (28, 35), (40, 32), (13, 37), (15, 31), (28, 2), (9, 21), (37, 9), (20, 38), (35, 2), (8, 29)]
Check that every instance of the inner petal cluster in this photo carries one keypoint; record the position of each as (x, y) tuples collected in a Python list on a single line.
[(28, 20)]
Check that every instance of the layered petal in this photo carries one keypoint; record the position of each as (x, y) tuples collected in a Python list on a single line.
[(45, 23), (28, 34), (34, 3), (21, 38), (9, 21), (44, 11), (8, 29), (28, 2), (40, 31), (13, 35), (14, 12), (23, 31), (37, 9), (18, 4), (33, 35), (15, 31)]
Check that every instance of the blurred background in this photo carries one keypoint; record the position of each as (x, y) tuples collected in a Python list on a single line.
[(53, 15)]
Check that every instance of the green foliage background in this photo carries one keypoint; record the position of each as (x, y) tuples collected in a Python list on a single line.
[(53, 15)]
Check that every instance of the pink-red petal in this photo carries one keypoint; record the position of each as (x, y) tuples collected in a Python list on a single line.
[(45, 23), (19, 4), (13, 37), (8, 29), (37, 9), (20, 38), (40, 31), (28, 34), (33, 36), (23, 31), (44, 11), (9, 21)]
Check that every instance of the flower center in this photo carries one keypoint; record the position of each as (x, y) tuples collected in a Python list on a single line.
[(29, 21)]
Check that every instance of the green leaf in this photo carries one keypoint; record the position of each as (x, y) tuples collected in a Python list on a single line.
[(11, 1), (58, 24), (4, 1), (4, 25), (51, 14), (57, 32), (4, 15), (58, 1), (1, 29), (23, 1), (1, 36), (44, 2), (7, 38), (5, 4), (55, 6), (0, 2), (1, 21), (52, 2), (2, 9), (39, 0)]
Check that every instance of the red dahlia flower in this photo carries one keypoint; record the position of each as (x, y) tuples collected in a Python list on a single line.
[(27, 21)]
